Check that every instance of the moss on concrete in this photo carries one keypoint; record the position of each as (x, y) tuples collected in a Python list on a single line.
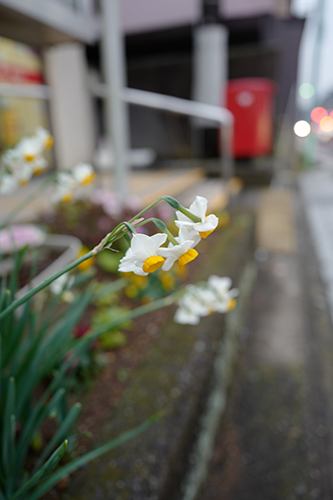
[(175, 376)]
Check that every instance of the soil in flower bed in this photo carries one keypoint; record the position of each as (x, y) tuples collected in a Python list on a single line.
[(107, 389), (35, 261)]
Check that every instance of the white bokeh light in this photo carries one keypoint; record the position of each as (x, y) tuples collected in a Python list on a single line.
[(302, 128)]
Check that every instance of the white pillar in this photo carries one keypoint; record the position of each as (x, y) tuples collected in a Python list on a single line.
[(210, 65), (114, 74), (70, 104)]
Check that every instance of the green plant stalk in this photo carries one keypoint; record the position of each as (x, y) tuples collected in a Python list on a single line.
[(17, 303), (88, 457), (26, 201)]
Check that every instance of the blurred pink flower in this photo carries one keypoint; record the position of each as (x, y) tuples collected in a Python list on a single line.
[(109, 201), (16, 237)]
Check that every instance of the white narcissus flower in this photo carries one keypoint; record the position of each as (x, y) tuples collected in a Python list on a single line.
[(224, 295), (45, 137), (199, 208), (183, 252), (29, 148), (83, 173), (39, 165), (205, 299), (185, 316), (141, 258), (64, 190), (8, 184), (20, 169)]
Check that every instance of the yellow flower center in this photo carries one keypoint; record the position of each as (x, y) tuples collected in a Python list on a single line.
[(232, 304), (29, 157), (38, 171), (67, 197), (88, 179), (152, 263), (24, 182), (204, 234), (48, 142), (191, 254)]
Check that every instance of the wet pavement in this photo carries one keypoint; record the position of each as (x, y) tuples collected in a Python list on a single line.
[(275, 439)]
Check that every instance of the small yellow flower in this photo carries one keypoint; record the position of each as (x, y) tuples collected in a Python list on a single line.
[(167, 280), (131, 291), (87, 263), (140, 281)]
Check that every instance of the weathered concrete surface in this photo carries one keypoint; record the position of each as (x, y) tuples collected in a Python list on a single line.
[(275, 441), (176, 375)]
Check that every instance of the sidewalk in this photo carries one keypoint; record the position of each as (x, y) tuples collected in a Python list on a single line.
[(275, 440)]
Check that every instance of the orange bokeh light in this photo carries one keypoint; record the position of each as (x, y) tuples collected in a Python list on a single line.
[(317, 114), (326, 124)]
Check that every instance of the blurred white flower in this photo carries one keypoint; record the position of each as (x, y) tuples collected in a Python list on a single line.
[(64, 189), (185, 316), (29, 148), (45, 137), (221, 287), (15, 164), (83, 173), (8, 184), (204, 299), (141, 258), (199, 208), (64, 282)]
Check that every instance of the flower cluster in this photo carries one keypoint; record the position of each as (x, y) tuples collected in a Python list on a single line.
[(68, 182), (146, 253), (25, 160), (205, 299)]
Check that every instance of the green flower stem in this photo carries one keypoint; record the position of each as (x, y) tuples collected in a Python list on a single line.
[(171, 238), (27, 200), (44, 284), (192, 217)]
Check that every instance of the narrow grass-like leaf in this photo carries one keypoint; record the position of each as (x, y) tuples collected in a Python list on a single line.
[(44, 471), (16, 334), (17, 266), (88, 457), (37, 417), (61, 432), (129, 227), (9, 409)]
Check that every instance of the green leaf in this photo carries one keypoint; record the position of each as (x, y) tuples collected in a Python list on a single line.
[(61, 432), (130, 227), (160, 225), (88, 457), (127, 238), (37, 417), (9, 409), (44, 471), (172, 202)]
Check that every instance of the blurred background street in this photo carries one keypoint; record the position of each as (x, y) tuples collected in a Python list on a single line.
[(231, 100)]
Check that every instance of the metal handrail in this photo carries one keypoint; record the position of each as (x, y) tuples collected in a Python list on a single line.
[(215, 114)]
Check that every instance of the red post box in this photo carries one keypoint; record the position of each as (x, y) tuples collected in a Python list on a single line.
[(251, 102)]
